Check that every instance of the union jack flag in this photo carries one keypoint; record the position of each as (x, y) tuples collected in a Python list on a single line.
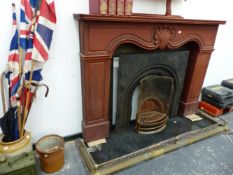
[(44, 31), (46, 20), (12, 72), (36, 74), (27, 12)]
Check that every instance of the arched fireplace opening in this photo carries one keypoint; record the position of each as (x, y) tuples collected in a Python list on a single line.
[(133, 64)]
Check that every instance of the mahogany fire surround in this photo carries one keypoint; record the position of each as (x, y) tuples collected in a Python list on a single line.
[(100, 36)]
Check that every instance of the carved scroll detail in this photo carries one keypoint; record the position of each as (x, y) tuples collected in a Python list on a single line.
[(163, 35)]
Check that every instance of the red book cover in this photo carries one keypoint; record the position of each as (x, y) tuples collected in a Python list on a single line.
[(98, 6), (212, 110), (128, 7), (120, 7), (112, 7)]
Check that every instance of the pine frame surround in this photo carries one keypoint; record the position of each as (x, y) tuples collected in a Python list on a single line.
[(101, 35)]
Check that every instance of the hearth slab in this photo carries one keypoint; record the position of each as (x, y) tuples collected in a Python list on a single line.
[(128, 148)]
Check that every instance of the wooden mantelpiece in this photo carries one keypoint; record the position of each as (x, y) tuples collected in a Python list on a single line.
[(100, 36)]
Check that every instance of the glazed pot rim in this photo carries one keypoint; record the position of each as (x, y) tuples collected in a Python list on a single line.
[(13, 142), (52, 150)]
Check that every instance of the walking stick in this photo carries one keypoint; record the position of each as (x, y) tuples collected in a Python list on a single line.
[(19, 110), (20, 62), (25, 110), (37, 85), (3, 94), (25, 113)]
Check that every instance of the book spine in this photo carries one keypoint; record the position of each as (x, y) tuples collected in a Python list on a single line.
[(210, 109), (112, 7), (128, 7), (103, 7), (120, 7), (94, 6)]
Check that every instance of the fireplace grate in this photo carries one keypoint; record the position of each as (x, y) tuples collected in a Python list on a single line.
[(154, 101)]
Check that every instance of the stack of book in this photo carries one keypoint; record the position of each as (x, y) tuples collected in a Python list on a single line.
[(111, 7), (216, 99)]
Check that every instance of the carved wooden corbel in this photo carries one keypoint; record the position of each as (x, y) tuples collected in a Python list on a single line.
[(163, 35)]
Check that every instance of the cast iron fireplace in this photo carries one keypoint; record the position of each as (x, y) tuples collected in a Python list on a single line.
[(133, 68), (101, 36)]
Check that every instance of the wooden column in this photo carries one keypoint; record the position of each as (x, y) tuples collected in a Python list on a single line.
[(95, 91), (195, 75)]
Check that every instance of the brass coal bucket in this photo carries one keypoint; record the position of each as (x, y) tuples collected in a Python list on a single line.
[(50, 149), (17, 147)]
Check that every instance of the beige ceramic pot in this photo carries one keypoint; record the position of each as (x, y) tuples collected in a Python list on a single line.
[(10, 149)]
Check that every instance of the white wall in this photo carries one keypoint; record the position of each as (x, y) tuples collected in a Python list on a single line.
[(61, 112)]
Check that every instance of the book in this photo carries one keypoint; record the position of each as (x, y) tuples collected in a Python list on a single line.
[(120, 7), (98, 7), (210, 109), (104, 7), (94, 6), (112, 7), (128, 7)]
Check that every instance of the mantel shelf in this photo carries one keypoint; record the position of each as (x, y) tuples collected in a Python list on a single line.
[(145, 18)]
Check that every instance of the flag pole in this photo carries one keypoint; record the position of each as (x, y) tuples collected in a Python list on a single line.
[(25, 108), (19, 110), (20, 62), (3, 93), (25, 111)]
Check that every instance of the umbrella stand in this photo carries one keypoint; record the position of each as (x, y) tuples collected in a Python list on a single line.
[(2, 93)]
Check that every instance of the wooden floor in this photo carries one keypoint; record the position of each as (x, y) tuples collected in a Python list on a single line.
[(212, 156)]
